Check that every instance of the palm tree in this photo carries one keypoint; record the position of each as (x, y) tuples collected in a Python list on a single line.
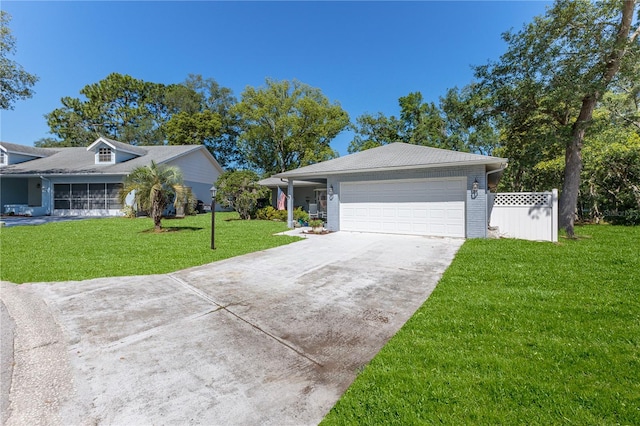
[(153, 187)]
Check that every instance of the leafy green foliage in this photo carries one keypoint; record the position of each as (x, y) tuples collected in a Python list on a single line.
[(611, 177), (15, 82), (120, 107), (516, 332), (554, 72), (197, 112), (286, 125), (239, 190), (217, 124), (154, 186), (270, 213), (111, 247), (457, 124)]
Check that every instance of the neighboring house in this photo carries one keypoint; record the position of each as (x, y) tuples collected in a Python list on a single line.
[(86, 181), (405, 189)]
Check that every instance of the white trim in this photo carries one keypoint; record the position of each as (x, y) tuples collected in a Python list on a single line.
[(115, 148)]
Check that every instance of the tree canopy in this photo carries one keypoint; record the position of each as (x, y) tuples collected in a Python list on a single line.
[(455, 124), (554, 72), (15, 82), (137, 112), (287, 124), (239, 190)]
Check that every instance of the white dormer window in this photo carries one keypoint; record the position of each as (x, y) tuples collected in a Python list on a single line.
[(3, 158), (105, 155)]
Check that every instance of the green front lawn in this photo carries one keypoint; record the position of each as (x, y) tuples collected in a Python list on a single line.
[(516, 332), (79, 250)]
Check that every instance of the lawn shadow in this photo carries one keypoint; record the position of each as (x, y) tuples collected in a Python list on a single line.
[(171, 229)]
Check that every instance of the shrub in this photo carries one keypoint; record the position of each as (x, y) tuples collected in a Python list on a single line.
[(316, 223), (269, 213)]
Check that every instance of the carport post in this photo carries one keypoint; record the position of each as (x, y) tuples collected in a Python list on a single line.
[(290, 203)]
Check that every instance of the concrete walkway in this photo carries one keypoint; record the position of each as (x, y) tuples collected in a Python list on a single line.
[(273, 337)]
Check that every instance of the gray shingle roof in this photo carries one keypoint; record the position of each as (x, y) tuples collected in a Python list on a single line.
[(140, 150), (394, 156), (81, 161), (28, 150)]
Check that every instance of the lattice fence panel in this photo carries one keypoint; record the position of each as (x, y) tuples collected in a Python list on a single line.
[(523, 199)]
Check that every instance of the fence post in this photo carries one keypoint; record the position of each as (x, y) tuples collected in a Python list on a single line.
[(554, 215)]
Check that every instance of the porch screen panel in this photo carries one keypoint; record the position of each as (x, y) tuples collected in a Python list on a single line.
[(113, 189), (96, 196), (79, 196), (61, 196)]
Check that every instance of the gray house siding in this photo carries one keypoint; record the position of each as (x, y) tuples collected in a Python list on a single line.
[(475, 215), (15, 158), (198, 172)]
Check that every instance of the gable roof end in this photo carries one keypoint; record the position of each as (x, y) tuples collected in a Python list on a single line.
[(118, 146)]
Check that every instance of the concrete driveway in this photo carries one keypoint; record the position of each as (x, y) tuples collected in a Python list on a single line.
[(273, 337)]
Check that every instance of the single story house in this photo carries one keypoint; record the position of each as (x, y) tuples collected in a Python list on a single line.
[(401, 188), (86, 181)]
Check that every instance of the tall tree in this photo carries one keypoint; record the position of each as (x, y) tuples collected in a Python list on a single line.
[(468, 126), (457, 123), (154, 186), (120, 107), (287, 124), (212, 122), (15, 82), (375, 130), (555, 71)]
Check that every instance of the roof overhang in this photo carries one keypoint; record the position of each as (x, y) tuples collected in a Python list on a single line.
[(274, 182)]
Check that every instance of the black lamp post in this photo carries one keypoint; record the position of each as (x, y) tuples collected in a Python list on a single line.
[(213, 216)]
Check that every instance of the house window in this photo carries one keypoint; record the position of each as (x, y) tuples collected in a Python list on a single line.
[(86, 196), (3, 158), (104, 155)]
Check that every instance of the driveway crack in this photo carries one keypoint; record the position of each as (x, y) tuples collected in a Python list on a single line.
[(205, 296)]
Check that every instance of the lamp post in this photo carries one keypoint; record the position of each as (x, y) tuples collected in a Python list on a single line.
[(213, 216)]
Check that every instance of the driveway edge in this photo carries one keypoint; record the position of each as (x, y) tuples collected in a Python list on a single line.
[(42, 380)]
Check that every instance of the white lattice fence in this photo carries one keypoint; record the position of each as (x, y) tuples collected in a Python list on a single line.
[(525, 215)]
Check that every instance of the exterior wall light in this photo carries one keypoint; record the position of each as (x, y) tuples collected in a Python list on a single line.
[(330, 192), (474, 188)]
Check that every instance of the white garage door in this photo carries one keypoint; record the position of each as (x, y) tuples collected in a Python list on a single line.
[(420, 206)]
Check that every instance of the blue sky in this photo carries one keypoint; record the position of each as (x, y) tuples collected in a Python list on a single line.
[(364, 55)]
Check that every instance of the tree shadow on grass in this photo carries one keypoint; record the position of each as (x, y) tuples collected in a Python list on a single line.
[(171, 229)]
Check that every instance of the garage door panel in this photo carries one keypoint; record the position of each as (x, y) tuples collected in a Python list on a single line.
[(423, 207)]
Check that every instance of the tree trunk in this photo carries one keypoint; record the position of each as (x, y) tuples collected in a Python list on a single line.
[(573, 166), (156, 211), (573, 157)]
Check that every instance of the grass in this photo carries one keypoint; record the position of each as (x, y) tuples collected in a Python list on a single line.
[(516, 332), (95, 248)]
